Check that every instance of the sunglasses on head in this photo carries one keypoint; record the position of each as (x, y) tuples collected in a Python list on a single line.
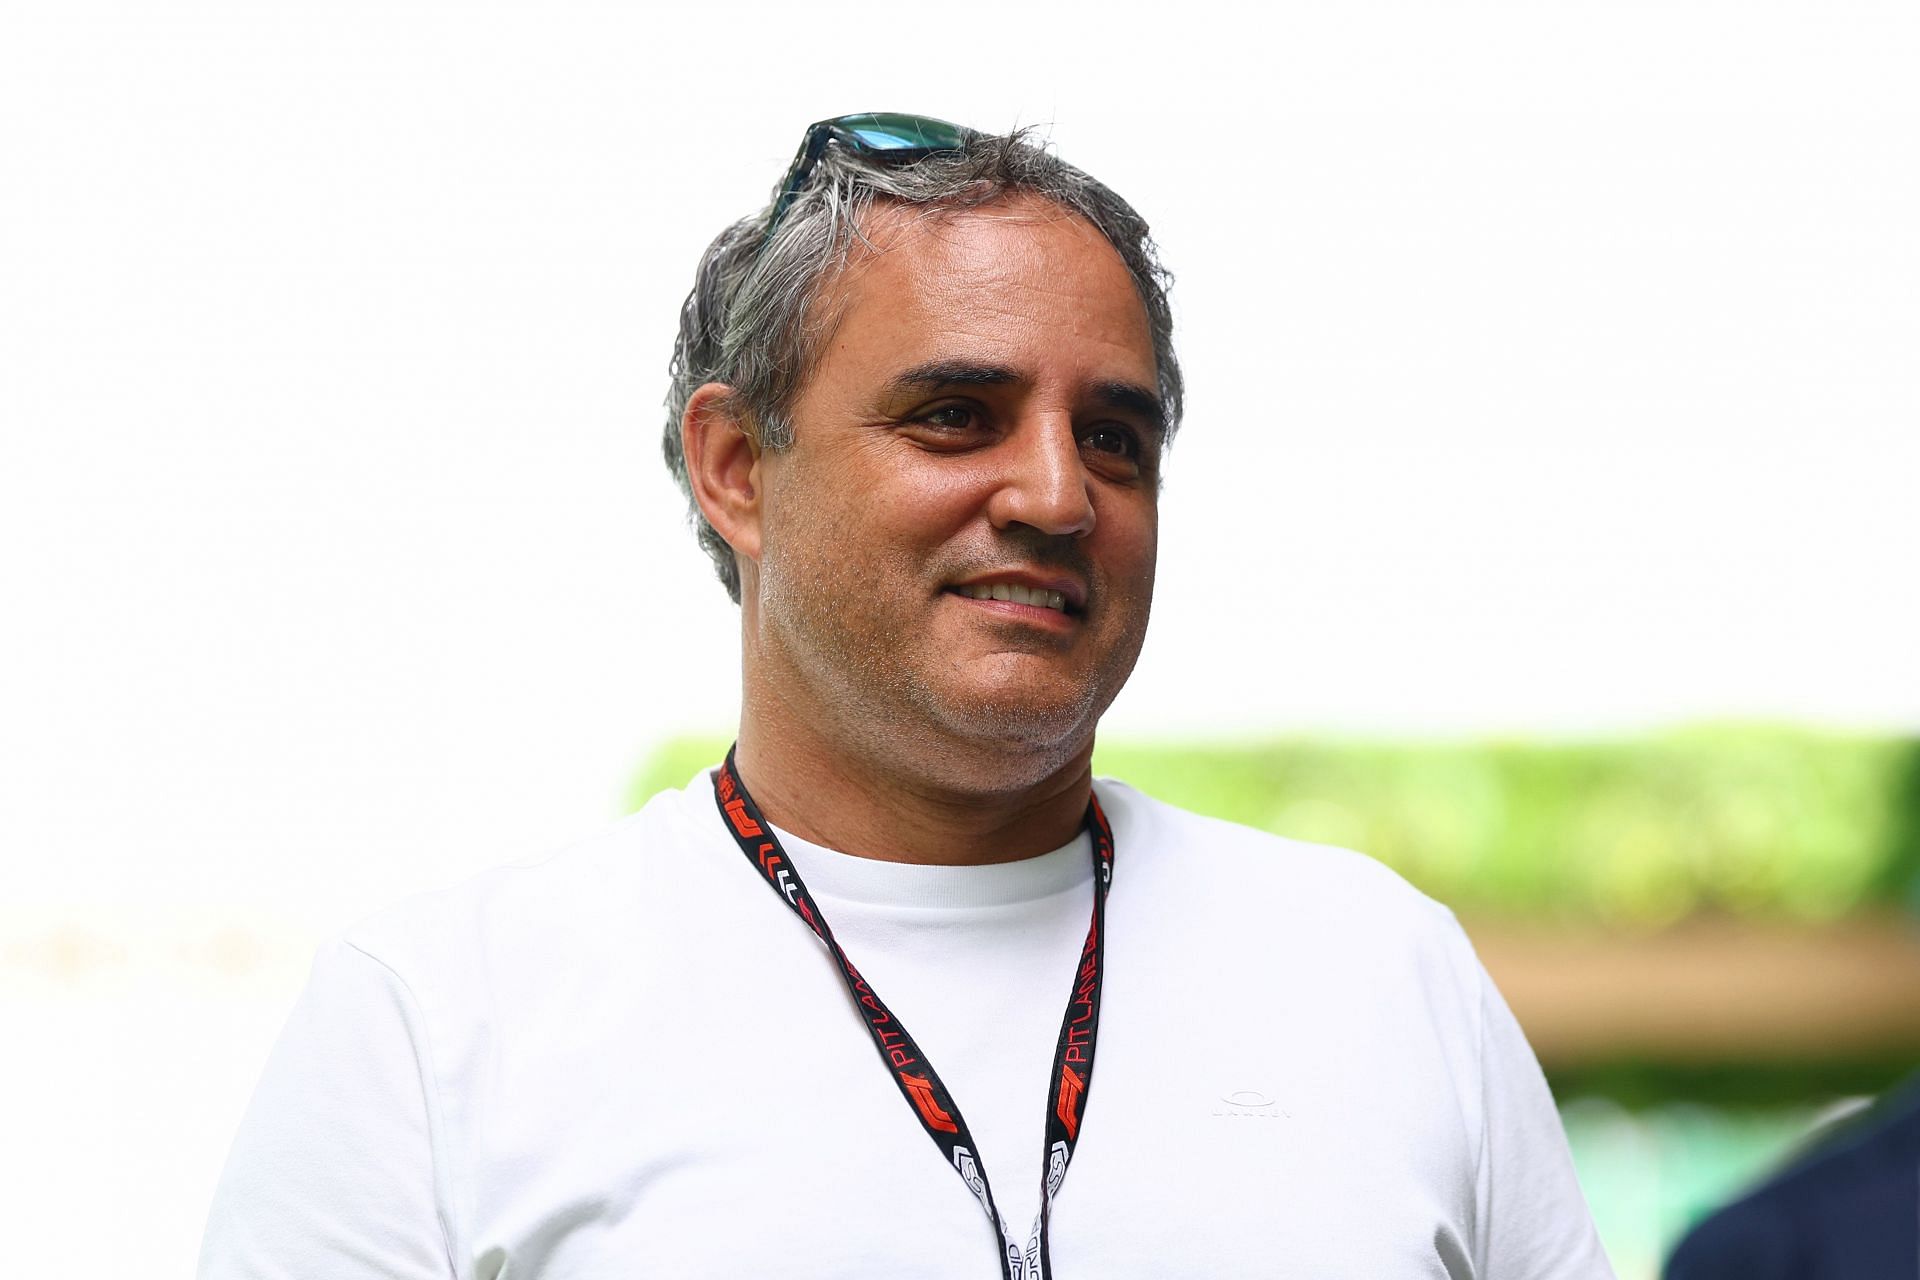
[(891, 136)]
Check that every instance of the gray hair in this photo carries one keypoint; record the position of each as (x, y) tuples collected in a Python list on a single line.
[(752, 322)]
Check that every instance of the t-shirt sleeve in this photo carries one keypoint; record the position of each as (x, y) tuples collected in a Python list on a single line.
[(1535, 1222), (333, 1172)]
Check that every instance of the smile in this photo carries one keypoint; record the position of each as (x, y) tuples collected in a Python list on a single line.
[(1014, 593)]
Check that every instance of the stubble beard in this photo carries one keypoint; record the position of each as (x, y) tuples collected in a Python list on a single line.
[(879, 690)]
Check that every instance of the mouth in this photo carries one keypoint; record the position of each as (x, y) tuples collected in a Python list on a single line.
[(1016, 593), (1048, 601)]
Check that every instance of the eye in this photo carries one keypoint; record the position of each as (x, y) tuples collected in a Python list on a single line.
[(1116, 440), (953, 417), (952, 425)]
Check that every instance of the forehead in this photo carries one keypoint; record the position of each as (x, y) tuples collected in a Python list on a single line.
[(1020, 282)]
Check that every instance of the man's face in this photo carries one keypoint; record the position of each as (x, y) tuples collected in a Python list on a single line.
[(983, 422)]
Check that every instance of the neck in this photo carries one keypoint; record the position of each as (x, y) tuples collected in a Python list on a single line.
[(901, 801)]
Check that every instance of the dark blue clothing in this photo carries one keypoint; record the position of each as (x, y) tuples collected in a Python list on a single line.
[(1850, 1210)]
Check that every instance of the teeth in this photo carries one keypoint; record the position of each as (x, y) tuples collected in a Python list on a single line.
[(1015, 593)]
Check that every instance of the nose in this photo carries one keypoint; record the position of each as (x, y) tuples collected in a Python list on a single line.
[(1043, 482)]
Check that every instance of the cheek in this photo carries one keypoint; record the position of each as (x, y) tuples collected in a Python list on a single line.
[(854, 527), (1133, 534), (913, 502), (922, 489)]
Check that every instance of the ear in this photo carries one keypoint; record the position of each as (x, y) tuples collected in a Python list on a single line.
[(723, 466)]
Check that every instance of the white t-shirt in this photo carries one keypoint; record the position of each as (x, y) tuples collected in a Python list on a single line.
[(633, 1060)]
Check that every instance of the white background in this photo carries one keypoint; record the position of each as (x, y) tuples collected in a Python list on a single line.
[(1552, 370)]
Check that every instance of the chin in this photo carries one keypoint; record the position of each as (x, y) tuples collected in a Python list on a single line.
[(1021, 724)]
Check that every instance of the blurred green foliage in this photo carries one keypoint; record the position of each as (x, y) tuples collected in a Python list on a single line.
[(1755, 1084), (1751, 820)]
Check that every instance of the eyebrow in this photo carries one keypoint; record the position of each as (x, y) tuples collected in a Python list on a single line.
[(951, 373), (1129, 397), (1125, 397)]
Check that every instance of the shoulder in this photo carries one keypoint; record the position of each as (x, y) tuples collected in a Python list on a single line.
[(528, 920), (1175, 845), (1844, 1206), (1342, 924)]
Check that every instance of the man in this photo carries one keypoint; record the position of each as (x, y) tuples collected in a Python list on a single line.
[(1843, 1209), (805, 1017)]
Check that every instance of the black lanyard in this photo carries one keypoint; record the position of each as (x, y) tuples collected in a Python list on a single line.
[(918, 1082)]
